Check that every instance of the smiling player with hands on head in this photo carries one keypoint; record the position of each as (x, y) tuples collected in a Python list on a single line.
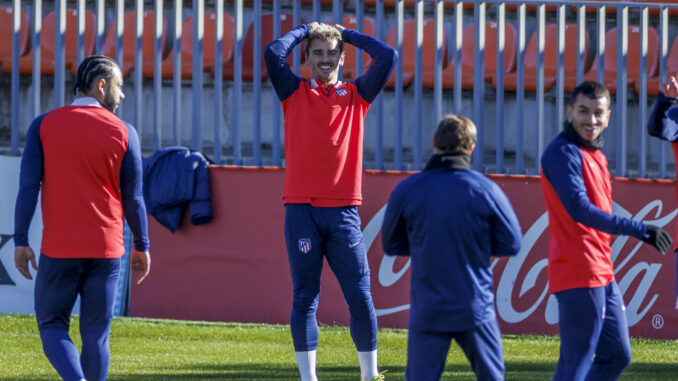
[(578, 195), (323, 153)]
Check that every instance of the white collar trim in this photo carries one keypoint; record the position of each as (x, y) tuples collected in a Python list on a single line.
[(315, 84), (86, 101)]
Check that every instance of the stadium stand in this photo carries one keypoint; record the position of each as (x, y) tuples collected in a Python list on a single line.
[(490, 57), (6, 31), (286, 24), (632, 58), (550, 59), (129, 37), (409, 49), (187, 47), (655, 11), (671, 69), (47, 47), (350, 51)]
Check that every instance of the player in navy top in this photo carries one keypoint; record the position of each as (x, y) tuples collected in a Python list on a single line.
[(451, 220), (323, 176), (87, 164)]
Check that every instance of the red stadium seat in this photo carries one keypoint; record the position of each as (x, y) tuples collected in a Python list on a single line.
[(47, 47), (129, 40), (467, 56), (594, 9), (655, 11), (409, 49), (350, 51), (633, 59), (286, 24), (550, 59), (6, 32), (411, 3), (671, 69), (187, 49)]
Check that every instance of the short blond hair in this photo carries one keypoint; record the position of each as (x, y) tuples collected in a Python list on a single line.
[(455, 134), (324, 32)]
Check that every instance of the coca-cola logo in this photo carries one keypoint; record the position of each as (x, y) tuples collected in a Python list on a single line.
[(526, 272)]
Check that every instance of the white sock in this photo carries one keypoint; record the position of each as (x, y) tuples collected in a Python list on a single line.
[(306, 364), (368, 365)]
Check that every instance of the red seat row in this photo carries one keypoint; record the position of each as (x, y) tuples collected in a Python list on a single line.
[(408, 58)]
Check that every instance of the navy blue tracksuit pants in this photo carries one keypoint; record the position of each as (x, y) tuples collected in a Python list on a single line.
[(312, 234), (427, 351), (594, 334), (58, 283)]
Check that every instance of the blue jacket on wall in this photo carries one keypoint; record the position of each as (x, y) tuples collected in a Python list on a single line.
[(174, 177)]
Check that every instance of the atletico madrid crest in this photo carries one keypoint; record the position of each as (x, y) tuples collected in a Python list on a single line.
[(304, 245)]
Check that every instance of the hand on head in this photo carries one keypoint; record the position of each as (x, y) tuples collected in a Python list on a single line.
[(313, 25), (670, 88), (339, 27)]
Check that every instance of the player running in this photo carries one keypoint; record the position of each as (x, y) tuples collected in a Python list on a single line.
[(324, 153), (576, 185)]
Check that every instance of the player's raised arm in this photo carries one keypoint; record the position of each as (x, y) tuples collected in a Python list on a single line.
[(663, 120), (275, 55), (385, 57)]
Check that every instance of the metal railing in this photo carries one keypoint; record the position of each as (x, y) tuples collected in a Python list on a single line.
[(385, 123)]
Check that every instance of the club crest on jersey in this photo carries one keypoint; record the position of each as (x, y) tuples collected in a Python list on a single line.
[(304, 245), (341, 92)]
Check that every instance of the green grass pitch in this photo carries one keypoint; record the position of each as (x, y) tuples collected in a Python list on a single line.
[(151, 349)]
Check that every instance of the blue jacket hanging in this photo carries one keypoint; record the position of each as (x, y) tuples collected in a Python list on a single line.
[(174, 177)]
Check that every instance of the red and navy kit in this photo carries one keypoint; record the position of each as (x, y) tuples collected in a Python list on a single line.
[(324, 124), (88, 163), (323, 176), (663, 124), (578, 196), (594, 335)]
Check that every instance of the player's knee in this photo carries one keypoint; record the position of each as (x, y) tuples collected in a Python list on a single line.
[(360, 303), (305, 302)]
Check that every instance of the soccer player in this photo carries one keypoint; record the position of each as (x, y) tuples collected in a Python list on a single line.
[(87, 163), (323, 175), (576, 185), (450, 219), (663, 124)]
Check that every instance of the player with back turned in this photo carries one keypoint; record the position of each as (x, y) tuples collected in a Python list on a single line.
[(86, 164), (577, 191), (323, 151), (450, 220)]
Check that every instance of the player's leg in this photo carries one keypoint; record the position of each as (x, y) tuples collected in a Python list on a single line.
[(305, 253), (426, 354), (56, 289), (613, 353), (483, 349), (580, 311), (347, 257), (97, 299)]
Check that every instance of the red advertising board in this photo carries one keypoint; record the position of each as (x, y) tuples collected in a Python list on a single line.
[(236, 269)]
